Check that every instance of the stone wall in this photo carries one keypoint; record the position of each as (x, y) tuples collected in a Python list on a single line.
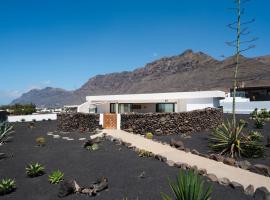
[(70, 122), (171, 123)]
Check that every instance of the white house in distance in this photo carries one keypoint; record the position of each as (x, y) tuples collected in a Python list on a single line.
[(152, 102)]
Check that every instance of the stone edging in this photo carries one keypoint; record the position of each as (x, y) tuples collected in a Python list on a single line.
[(260, 193)]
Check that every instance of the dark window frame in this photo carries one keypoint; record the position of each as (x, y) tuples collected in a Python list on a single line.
[(157, 104)]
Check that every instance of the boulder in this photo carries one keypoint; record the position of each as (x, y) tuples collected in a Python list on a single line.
[(249, 190), (177, 144), (236, 186), (224, 181), (244, 164), (194, 151), (68, 187), (170, 163), (202, 171), (229, 161), (261, 169), (261, 193), (212, 177), (216, 157)]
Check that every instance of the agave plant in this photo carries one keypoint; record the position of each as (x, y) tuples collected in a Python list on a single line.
[(7, 186), (227, 140), (34, 170), (5, 130), (188, 186), (56, 177)]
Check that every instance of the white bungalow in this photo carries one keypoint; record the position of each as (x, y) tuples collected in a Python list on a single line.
[(152, 102)]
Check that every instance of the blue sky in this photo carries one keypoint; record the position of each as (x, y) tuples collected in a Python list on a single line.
[(62, 43)]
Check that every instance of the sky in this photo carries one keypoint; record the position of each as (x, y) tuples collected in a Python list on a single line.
[(63, 43)]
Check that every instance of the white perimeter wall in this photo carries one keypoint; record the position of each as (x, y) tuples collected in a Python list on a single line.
[(245, 107), (29, 118), (195, 104)]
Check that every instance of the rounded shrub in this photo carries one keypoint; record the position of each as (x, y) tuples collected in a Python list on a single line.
[(149, 135)]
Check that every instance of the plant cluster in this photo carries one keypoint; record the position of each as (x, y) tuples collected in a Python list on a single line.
[(40, 141), (144, 153), (259, 123), (243, 122), (149, 135), (231, 141), (7, 186), (92, 147), (34, 170), (20, 109), (56, 177), (188, 186), (5, 130), (263, 114)]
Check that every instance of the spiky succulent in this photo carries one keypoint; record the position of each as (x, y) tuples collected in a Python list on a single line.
[(34, 170), (56, 177), (7, 186)]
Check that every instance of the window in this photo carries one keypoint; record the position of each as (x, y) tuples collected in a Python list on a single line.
[(112, 108), (124, 107), (93, 110), (165, 107)]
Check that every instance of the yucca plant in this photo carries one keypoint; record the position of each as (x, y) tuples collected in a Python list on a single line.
[(56, 177), (188, 186), (34, 170), (5, 130), (7, 186), (227, 140)]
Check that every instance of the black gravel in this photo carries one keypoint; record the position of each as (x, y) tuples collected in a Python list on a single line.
[(120, 165), (200, 140)]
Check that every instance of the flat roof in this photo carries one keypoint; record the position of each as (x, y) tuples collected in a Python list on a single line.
[(158, 96)]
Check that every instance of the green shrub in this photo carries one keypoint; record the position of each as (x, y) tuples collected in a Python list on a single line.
[(5, 130), (243, 122), (7, 186), (40, 141), (149, 135), (259, 123), (235, 143), (93, 147), (188, 186), (56, 177), (34, 170), (254, 113), (144, 153)]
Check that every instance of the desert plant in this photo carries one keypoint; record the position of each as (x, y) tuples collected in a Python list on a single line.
[(5, 130), (56, 177), (254, 113), (244, 122), (7, 186), (259, 123), (31, 125), (34, 170), (149, 135), (93, 147), (188, 186), (255, 135), (144, 153), (40, 141), (233, 142)]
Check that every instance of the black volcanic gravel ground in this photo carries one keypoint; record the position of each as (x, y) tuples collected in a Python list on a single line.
[(199, 141), (122, 168)]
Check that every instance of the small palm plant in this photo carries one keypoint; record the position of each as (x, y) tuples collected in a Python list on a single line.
[(7, 186), (34, 170), (227, 140), (56, 177), (5, 130), (188, 186)]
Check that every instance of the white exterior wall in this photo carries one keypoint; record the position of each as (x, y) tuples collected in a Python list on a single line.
[(244, 107), (29, 118), (84, 108), (195, 104)]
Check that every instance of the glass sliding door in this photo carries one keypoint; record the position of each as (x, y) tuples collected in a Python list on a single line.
[(165, 107)]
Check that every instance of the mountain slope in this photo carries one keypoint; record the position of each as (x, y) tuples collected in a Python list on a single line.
[(188, 71)]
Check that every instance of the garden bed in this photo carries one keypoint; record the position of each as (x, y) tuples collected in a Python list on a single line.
[(200, 140), (119, 164)]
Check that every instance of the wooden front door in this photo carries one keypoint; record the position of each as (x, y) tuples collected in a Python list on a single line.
[(110, 120)]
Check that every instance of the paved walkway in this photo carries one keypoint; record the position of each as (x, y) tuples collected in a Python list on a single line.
[(221, 170)]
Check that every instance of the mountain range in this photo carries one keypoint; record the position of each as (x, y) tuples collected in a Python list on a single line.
[(189, 71)]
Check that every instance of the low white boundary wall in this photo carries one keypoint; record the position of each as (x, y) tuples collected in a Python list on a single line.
[(29, 118), (245, 107)]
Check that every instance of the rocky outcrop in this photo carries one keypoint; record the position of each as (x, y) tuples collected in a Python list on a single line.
[(68, 122), (171, 123)]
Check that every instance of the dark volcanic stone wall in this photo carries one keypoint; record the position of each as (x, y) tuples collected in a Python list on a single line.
[(69, 122), (171, 123)]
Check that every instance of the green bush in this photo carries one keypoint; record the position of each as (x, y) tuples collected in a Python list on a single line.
[(7, 186), (259, 123), (5, 130), (244, 122), (188, 186), (40, 141), (149, 135), (263, 114), (34, 170), (144, 153), (235, 143), (56, 177), (93, 147)]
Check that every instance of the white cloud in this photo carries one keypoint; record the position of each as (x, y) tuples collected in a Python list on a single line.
[(155, 54)]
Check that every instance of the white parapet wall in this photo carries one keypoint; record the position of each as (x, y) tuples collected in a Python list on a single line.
[(29, 118), (245, 107)]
